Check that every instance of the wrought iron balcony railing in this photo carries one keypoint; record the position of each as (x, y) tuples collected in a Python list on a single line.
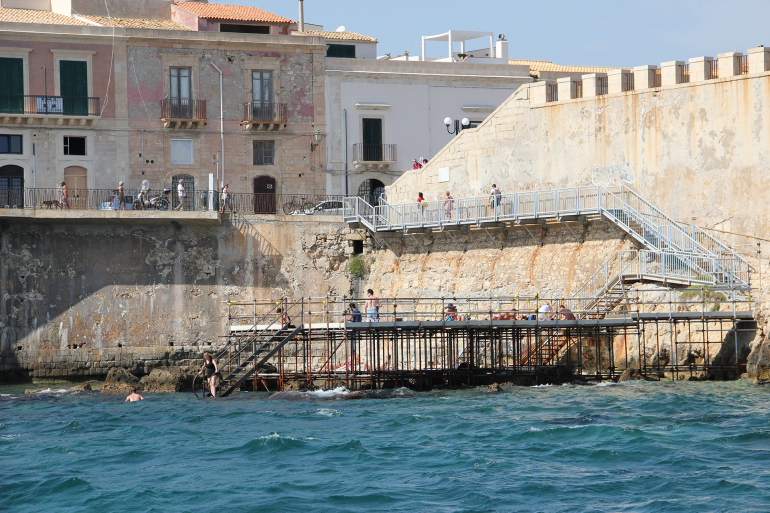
[(183, 109), (374, 152), (265, 112), (41, 105)]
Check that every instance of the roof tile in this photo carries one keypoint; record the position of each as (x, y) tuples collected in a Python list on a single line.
[(231, 12), (12, 15), (535, 67), (136, 23), (343, 36)]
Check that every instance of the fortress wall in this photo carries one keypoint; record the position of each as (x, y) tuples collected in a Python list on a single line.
[(699, 151)]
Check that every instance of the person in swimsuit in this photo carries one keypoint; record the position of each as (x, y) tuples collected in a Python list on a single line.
[(372, 306), (211, 368), (134, 396)]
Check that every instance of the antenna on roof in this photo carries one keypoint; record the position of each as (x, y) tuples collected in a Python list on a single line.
[(341, 28)]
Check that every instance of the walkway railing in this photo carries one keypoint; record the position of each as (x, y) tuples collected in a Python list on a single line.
[(620, 205)]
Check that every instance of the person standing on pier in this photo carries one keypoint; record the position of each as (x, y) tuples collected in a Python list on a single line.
[(121, 197), (64, 199), (372, 306), (211, 368)]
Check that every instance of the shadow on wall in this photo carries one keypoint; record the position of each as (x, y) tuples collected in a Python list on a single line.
[(94, 286)]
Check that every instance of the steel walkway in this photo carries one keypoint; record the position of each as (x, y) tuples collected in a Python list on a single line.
[(674, 254)]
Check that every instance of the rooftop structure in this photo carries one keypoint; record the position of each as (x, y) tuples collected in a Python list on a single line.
[(495, 53)]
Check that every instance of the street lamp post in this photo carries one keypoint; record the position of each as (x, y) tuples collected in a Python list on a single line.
[(466, 123)]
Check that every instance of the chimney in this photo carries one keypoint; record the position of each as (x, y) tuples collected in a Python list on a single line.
[(501, 49), (301, 16)]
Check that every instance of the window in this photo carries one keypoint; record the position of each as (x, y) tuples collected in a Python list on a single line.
[(244, 29), (11, 85), (74, 145), (181, 151), (10, 144), (345, 51), (262, 86), (180, 83), (263, 153)]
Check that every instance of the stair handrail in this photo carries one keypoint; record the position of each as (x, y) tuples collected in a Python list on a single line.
[(255, 336)]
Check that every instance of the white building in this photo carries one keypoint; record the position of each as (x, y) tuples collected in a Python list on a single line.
[(382, 114)]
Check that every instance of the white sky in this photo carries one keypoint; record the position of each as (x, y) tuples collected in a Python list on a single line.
[(575, 32)]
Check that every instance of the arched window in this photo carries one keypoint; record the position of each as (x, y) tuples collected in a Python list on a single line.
[(189, 186), (11, 186), (371, 190)]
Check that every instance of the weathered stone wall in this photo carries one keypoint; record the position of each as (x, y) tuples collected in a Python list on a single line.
[(155, 288), (555, 270)]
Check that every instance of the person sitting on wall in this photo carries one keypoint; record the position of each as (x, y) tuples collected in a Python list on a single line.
[(566, 314), (355, 313), (415, 164), (544, 313), (451, 313)]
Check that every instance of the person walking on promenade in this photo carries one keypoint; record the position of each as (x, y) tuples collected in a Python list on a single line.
[(134, 396), (448, 205), (495, 194), (372, 307), (226, 201), (211, 368), (182, 193), (64, 197), (121, 197)]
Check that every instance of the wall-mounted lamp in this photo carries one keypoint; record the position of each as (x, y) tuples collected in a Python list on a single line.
[(318, 135), (466, 123)]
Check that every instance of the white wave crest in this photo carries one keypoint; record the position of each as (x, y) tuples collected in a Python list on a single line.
[(339, 391)]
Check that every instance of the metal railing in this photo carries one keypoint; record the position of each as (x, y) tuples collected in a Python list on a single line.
[(104, 199), (49, 105), (577, 89), (742, 64), (684, 73), (628, 81), (656, 79), (267, 112), (620, 205), (712, 71), (182, 108), (374, 152), (288, 204), (551, 93), (602, 86)]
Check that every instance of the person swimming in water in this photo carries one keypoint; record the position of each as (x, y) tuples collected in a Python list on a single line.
[(134, 396), (210, 365)]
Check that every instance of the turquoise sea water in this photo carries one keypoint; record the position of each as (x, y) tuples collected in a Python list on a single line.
[(628, 447)]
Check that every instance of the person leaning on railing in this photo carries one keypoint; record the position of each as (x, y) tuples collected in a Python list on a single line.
[(226, 200)]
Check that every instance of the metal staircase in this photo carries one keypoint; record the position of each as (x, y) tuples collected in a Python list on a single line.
[(684, 250), (251, 354)]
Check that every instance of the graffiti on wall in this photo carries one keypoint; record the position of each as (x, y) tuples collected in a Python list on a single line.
[(613, 174)]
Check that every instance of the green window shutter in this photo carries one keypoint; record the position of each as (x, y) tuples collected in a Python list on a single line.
[(73, 82), (11, 85)]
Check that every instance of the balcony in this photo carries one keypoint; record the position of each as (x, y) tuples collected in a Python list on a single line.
[(183, 113), (264, 116), (48, 110), (374, 157)]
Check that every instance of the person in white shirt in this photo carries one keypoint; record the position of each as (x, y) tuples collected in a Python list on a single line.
[(182, 193), (226, 201)]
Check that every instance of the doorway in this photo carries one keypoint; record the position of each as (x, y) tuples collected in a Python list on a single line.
[(264, 195), (371, 191), (76, 180), (372, 139), (11, 186)]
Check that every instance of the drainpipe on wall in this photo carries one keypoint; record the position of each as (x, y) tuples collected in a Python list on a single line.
[(345, 117), (221, 121)]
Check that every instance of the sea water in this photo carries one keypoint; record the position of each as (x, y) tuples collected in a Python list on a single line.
[(629, 447)]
